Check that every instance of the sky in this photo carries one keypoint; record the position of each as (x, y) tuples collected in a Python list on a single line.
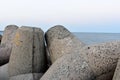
[(75, 15)]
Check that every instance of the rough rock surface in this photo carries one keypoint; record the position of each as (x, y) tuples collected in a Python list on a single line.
[(6, 43), (30, 76), (28, 54), (101, 60), (8, 35), (4, 72), (102, 57), (60, 41), (117, 72), (4, 54), (69, 67)]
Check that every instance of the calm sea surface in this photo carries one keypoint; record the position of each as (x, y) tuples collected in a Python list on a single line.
[(91, 38), (1, 32)]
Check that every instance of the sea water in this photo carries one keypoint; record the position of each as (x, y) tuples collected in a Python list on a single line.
[(1, 32), (92, 38)]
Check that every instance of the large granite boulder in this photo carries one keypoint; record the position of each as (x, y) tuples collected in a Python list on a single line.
[(6, 43), (4, 72), (102, 58), (117, 72), (28, 52), (69, 67), (60, 41)]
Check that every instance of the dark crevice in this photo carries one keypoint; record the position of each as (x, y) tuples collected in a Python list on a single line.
[(110, 71), (88, 47), (33, 51)]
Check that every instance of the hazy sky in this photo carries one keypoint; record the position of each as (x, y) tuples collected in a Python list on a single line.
[(76, 15)]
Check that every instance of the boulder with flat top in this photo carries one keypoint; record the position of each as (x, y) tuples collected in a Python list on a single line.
[(28, 53), (6, 43), (8, 35)]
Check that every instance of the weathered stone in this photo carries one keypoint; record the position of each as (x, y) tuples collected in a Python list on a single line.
[(103, 57), (4, 72), (69, 67), (6, 43), (4, 54), (117, 72), (60, 41), (28, 54), (8, 35), (30, 76)]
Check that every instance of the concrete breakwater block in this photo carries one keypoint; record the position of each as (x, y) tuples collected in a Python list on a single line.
[(60, 41), (6, 43), (101, 60), (30, 76), (28, 53), (4, 72), (4, 54), (117, 72), (69, 67), (102, 57), (8, 35)]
